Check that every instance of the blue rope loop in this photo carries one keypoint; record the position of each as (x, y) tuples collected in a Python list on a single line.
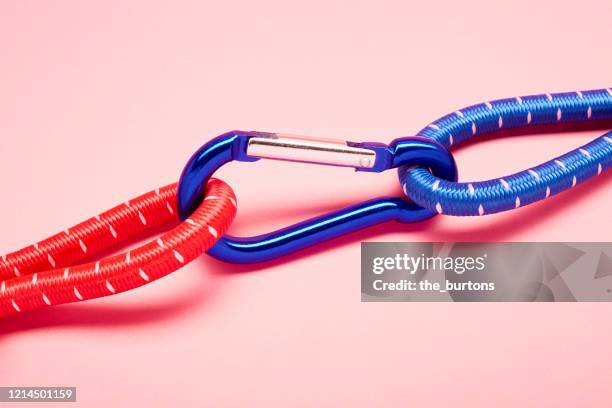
[(525, 187)]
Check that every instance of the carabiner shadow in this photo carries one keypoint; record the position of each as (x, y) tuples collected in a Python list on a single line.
[(499, 227)]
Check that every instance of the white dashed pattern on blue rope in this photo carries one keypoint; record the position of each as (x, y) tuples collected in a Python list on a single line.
[(525, 187)]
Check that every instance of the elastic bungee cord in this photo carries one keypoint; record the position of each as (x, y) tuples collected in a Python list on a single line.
[(527, 186), (47, 273)]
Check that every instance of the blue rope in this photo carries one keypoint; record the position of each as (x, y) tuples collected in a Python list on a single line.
[(525, 187)]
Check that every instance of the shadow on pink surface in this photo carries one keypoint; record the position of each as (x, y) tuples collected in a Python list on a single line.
[(200, 292), (501, 228), (87, 315)]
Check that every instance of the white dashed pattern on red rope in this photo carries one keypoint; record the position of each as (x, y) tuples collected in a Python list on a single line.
[(27, 282)]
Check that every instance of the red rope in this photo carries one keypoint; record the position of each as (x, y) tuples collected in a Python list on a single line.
[(45, 274)]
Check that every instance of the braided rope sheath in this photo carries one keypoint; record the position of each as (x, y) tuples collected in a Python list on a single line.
[(43, 274), (525, 187)]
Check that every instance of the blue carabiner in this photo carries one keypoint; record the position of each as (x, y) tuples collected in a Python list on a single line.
[(372, 157)]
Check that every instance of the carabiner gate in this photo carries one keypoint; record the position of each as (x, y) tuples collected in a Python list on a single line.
[(372, 157)]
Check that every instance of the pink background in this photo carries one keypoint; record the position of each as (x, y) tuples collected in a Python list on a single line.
[(101, 101)]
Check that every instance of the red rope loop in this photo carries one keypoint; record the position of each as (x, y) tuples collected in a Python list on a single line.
[(46, 273)]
